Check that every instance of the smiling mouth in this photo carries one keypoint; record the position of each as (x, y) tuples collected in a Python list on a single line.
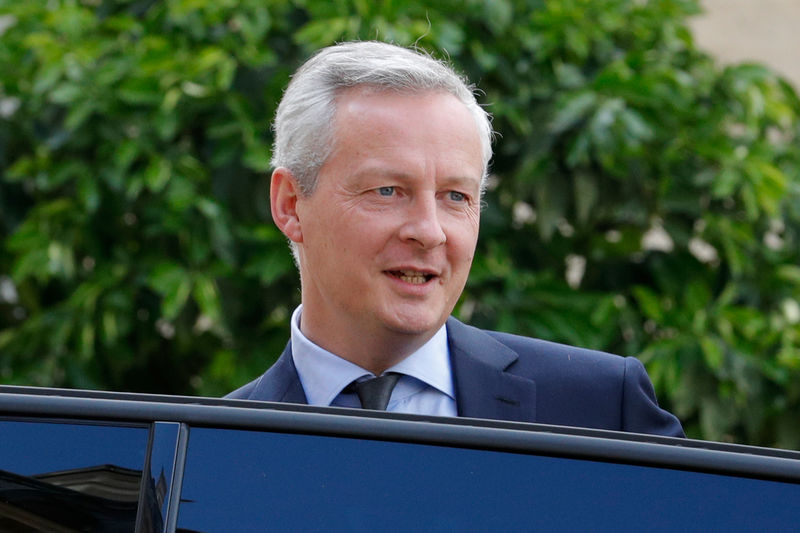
[(414, 277)]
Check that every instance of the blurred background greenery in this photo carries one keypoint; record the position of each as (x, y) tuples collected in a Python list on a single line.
[(644, 200)]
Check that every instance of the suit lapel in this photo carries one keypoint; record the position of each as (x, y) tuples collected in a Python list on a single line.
[(280, 383), (483, 388)]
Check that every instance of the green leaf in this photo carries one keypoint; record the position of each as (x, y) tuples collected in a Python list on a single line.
[(571, 110), (712, 353), (88, 193), (649, 302), (142, 91), (269, 266), (174, 284), (789, 273), (257, 158), (207, 298), (157, 174), (66, 93), (586, 196), (697, 296)]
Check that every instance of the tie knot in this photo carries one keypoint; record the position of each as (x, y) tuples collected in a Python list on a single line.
[(374, 393)]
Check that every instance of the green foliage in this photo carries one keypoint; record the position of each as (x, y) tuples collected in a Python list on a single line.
[(644, 201), (138, 235)]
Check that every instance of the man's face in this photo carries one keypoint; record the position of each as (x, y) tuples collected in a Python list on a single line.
[(389, 233)]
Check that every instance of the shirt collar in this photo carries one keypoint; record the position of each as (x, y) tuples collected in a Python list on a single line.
[(324, 374)]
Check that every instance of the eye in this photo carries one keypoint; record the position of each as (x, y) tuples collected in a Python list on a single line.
[(457, 196), (386, 191)]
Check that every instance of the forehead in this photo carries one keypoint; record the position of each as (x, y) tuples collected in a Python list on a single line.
[(421, 126), (377, 103)]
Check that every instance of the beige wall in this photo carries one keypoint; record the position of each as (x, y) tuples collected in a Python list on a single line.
[(763, 30)]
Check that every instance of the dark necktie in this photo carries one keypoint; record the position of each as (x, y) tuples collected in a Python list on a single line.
[(375, 393)]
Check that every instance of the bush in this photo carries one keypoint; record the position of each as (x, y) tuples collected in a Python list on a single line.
[(644, 201)]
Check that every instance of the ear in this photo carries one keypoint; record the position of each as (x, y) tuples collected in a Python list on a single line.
[(283, 194)]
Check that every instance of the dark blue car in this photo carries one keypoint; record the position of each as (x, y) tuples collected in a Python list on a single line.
[(92, 461)]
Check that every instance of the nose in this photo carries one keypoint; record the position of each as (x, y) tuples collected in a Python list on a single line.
[(423, 225)]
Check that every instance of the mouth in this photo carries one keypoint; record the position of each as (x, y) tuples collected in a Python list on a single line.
[(415, 277)]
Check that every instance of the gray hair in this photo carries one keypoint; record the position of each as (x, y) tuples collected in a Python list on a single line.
[(304, 120)]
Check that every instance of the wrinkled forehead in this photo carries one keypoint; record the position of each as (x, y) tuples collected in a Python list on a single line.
[(351, 98)]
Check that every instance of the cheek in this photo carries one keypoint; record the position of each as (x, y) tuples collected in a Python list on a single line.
[(376, 227), (462, 238), (352, 242)]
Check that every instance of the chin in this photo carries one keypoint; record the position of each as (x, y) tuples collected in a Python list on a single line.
[(414, 325)]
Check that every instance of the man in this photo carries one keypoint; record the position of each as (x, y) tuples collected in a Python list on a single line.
[(380, 158)]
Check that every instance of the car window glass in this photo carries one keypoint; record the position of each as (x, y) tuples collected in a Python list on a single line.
[(254, 481), (59, 476)]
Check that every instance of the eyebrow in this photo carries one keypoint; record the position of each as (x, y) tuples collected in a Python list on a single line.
[(381, 172)]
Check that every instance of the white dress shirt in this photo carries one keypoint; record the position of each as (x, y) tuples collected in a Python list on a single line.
[(425, 386)]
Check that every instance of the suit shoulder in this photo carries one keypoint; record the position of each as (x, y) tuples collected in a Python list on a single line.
[(244, 392), (548, 352), (576, 386)]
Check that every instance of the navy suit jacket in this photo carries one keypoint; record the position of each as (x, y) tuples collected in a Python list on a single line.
[(507, 377)]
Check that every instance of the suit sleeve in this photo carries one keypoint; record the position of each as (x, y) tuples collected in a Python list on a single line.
[(242, 393), (640, 410)]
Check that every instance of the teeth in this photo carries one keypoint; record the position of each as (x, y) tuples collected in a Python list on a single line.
[(412, 276)]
